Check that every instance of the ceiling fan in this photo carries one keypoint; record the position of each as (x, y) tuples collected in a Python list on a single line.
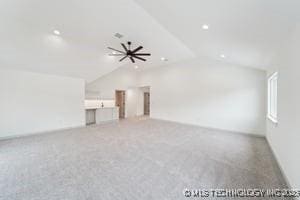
[(128, 53)]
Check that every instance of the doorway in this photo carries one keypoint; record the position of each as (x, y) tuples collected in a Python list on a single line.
[(120, 102), (146, 103)]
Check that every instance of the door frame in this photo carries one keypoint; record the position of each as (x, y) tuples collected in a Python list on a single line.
[(124, 103), (144, 94)]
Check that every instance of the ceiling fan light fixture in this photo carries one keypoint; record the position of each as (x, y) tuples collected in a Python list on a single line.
[(127, 52)]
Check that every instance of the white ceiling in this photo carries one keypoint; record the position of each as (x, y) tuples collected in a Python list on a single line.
[(87, 29), (248, 32)]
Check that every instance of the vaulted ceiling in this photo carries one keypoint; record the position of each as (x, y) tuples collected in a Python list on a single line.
[(247, 32)]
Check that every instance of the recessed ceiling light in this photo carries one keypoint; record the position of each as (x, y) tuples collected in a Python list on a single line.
[(205, 26), (163, 59), (136, 67), (56, 32), (222, 56), (114, 52)]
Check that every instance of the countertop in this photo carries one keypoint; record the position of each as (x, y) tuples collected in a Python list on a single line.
[(94, 108)]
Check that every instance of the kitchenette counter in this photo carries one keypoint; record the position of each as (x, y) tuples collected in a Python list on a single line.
[(101, 115)]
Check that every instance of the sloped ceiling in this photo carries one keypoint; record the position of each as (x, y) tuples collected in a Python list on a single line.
[(87, 28), (248, 32)]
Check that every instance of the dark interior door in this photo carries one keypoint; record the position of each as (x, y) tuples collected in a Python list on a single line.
[(120, 102), (146, 103)]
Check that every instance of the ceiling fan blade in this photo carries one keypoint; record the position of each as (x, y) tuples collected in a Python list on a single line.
[(132, 60), (123, 45), (116, 50), (142, 54), (123, 58), (117, 54), (143, 59), (137, 49)]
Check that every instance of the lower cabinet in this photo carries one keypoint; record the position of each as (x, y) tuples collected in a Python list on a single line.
[(107, 114), (90, 116)]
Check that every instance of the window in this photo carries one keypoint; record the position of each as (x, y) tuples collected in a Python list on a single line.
[(272, 97)]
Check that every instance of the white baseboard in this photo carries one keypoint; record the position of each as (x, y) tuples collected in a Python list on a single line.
[(278, 163), (53, 130), (212, 128), (106, 122), (39, 133)]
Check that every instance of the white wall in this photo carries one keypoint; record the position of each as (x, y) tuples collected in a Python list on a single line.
[(208, 93), (32, 102), (123, 78), (284, 138), (140, 99), (202, 92), (131, 102), (94, 103)]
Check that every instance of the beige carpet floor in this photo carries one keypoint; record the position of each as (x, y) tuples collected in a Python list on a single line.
[(134, 159)]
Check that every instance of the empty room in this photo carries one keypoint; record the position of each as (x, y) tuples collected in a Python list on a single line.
[(149, 100)]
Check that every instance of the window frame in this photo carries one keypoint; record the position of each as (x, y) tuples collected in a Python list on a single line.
[(273, 98)]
